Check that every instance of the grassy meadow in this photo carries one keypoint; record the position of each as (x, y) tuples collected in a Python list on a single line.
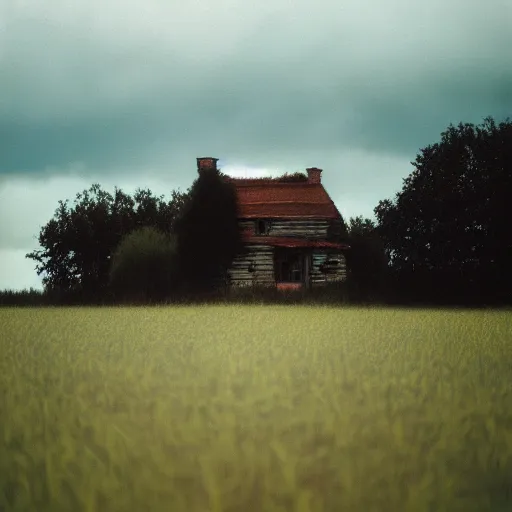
[(242, 408)]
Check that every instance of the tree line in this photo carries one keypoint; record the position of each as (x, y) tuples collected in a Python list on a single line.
[(443, 239)]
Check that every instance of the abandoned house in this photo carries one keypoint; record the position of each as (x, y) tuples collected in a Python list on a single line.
[(292, 230)]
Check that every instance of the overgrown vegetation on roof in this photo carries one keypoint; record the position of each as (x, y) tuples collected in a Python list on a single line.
[(296, 177)]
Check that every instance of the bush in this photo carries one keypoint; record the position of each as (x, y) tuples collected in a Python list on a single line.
[(143, 267)]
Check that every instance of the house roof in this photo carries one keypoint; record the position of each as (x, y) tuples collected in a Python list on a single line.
[(260, 198)]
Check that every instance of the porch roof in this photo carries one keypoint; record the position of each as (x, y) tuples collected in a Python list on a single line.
[(285, 241)]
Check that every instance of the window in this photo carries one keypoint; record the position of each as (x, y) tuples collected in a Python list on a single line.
[(329, 266), (262, 227)]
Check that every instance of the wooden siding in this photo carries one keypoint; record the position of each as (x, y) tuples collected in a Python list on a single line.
[(312, 229), (262, 258), (335, 272)]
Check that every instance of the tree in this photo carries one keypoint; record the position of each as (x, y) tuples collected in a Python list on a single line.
[(143, 266), (366, 260), (447, 232), (78, 242), (209, 236)]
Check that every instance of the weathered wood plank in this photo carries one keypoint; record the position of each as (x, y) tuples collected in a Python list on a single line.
[(260, 258), (333, 263), (307, 228)]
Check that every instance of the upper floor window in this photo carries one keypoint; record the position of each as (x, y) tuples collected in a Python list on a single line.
[(262, 227)]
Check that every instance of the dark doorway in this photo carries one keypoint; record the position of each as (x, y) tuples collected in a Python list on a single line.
[(289, 266)]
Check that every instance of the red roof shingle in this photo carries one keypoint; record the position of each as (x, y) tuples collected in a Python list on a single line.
[(262, 198)]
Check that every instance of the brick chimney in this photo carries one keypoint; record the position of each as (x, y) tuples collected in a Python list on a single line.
[(314, 175), (207, 162)]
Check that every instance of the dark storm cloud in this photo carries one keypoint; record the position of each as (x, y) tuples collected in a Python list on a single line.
[(311, 83)]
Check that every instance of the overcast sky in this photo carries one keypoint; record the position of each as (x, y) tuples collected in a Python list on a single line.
[(129, 93)]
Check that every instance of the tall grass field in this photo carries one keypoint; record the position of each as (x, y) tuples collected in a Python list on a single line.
[(255, 408)]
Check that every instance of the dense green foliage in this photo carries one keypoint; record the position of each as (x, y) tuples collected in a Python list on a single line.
[(255, 408), (143, 266), (209, 236), (78, 242), (447, 233), (368, 273)]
